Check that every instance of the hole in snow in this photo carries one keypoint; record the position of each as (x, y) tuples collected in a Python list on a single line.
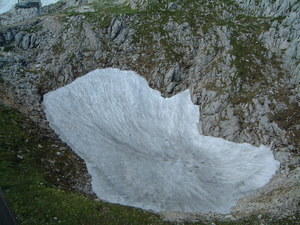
[(144, 150)]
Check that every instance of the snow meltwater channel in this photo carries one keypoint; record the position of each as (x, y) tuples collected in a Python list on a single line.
[(146, 151)]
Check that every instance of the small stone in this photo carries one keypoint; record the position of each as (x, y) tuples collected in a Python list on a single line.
[(173, 6), (20, 157), (229, 217)]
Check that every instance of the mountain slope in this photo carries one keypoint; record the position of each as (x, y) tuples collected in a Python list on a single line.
[(240, 59)]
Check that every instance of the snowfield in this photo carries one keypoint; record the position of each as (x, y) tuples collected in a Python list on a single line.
[(6, 5), (146, 151)]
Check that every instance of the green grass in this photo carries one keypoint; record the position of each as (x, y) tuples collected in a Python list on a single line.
[(9, 48), (58, 48), (38, 201)]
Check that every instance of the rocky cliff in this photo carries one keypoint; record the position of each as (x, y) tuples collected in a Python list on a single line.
[(240, 59)]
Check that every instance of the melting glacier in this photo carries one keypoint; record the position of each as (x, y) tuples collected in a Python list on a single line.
[(146, 151)]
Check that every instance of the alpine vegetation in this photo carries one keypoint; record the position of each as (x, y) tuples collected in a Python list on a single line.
[(147, 151)]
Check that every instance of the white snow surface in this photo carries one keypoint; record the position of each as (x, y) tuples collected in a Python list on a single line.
[(6, 5), (146, 151)]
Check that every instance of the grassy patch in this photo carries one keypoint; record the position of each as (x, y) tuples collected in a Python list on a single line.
[(9, 48), (289, 120), (34, 198), (34, 29), (103, 12), (250, 54), (58, 48)]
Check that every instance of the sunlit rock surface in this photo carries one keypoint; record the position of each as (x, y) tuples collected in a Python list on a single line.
[(6, 5), (146, 151)]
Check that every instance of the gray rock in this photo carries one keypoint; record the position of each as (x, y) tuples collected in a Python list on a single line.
[(26, 41), (173, 75), (115, 28), (9, 36), (173, 6), (19, 37)]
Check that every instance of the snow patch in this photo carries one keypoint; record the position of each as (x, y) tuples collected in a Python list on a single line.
[(48, 2), (144, 150), (6, 5)]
